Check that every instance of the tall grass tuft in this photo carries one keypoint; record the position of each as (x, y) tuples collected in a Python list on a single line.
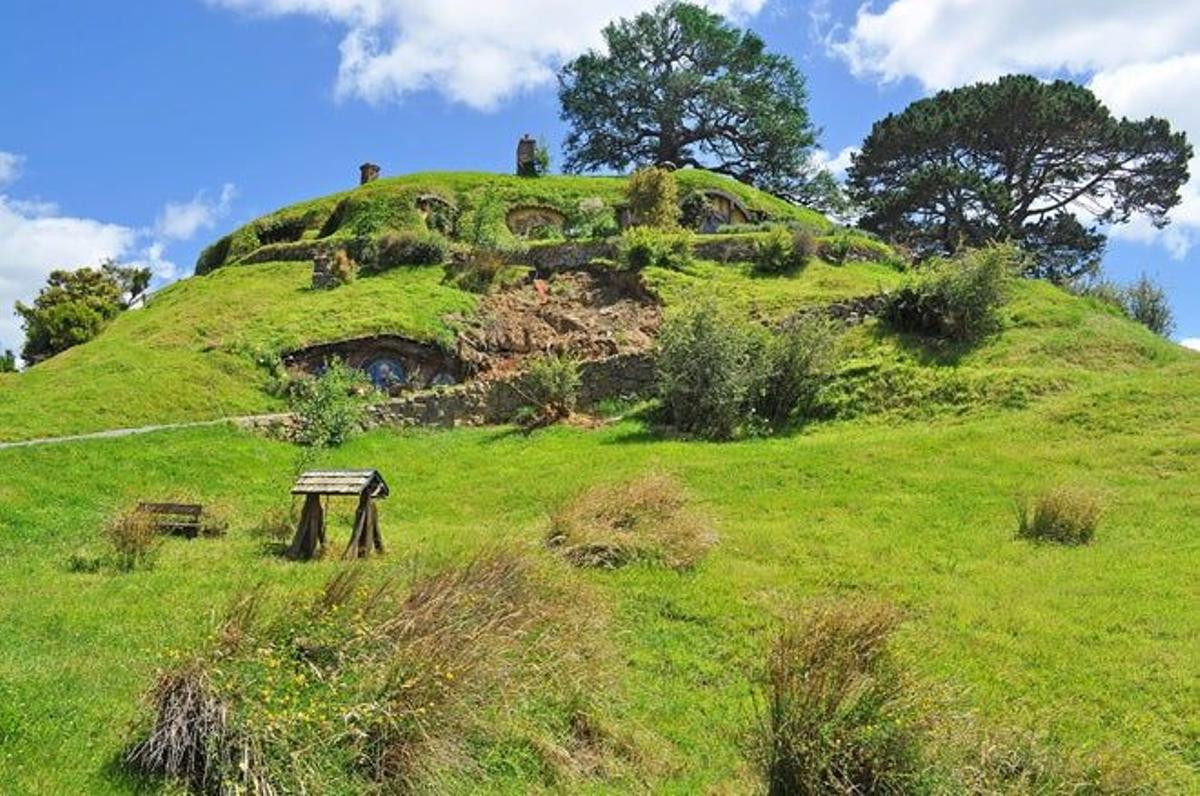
[(645, 519), (1065, 514), (132, 537), (193, 739), (837, 715), (381, 687)]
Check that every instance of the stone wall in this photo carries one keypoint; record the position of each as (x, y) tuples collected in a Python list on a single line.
[(479, 403)]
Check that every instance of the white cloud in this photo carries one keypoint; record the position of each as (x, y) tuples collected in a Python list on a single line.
[(1191, 342), (33, 244), (1141, 59), (37, 238), (473, 52), (182, 220), (10, 167), (837, 164)]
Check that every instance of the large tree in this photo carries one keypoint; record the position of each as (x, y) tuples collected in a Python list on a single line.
[(74, 307), (1044, 165), (680, 85)]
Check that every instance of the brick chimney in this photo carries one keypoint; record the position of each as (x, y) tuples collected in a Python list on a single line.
[(367, 172)]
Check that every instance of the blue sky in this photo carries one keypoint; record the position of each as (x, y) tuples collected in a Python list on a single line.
[(143, 130)]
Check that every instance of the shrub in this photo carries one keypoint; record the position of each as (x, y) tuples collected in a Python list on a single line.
[(479, 270), (782, 250), (330, 408), (957, 299), (695, 210), (133, 538), (591, 218), (836, 712), (798, 361), (214, 256), (483, 224), (8, 362), (645, 519), (1066, 515), (395, 249), (1146, 302), (706, 368), (551, 387), (344, 268), (642, 247), (653, 198)]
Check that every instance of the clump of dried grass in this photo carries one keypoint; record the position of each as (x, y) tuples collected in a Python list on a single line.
[(132, 537), (194, 741), (465, 643), (1065, 514), (644, 519), (986, 762), (404, 686), (837, 717)]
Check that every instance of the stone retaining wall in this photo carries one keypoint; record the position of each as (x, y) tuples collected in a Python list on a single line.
[(486, 402)]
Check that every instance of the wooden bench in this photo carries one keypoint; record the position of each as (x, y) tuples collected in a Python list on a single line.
[(181, 518)]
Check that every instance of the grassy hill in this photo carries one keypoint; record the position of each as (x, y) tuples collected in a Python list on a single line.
[(1061, 658)]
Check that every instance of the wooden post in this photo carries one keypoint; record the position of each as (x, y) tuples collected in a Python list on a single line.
[(310, 534), (366, 530)]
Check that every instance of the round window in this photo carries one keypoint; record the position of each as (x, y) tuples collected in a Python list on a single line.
[(386, 373)]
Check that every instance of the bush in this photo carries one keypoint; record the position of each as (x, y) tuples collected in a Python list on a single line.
[(798, 361), (330, 408), (836, 712), (782, 250), (214, 256), (483, 224), (1066, 515), (551, 387), (395, 249), (642, 247), (478, 271), (646, 519), (957, 299), (133, 537), (344, 268), (653, 198), (1146, 302), (591, 218), (706, 368)]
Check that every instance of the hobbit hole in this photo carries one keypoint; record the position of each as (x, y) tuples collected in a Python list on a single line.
[(393, 364), (714, 209), (527, 221)]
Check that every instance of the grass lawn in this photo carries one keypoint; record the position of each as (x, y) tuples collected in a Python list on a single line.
[(190, 354), (1095, 647)]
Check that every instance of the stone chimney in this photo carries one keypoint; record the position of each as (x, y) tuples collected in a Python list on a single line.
[(527, 156), (367, 172)]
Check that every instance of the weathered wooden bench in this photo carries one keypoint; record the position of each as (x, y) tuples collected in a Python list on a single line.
[(180, 518)]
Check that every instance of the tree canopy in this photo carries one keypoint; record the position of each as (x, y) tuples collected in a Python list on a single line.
[(1044, 165), (680, 85), (75, 305)]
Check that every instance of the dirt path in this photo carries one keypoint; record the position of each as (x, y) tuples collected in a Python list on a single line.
[(129, 432)]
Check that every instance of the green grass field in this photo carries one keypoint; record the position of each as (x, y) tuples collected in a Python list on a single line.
[(1094, 646), (904, 494)]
